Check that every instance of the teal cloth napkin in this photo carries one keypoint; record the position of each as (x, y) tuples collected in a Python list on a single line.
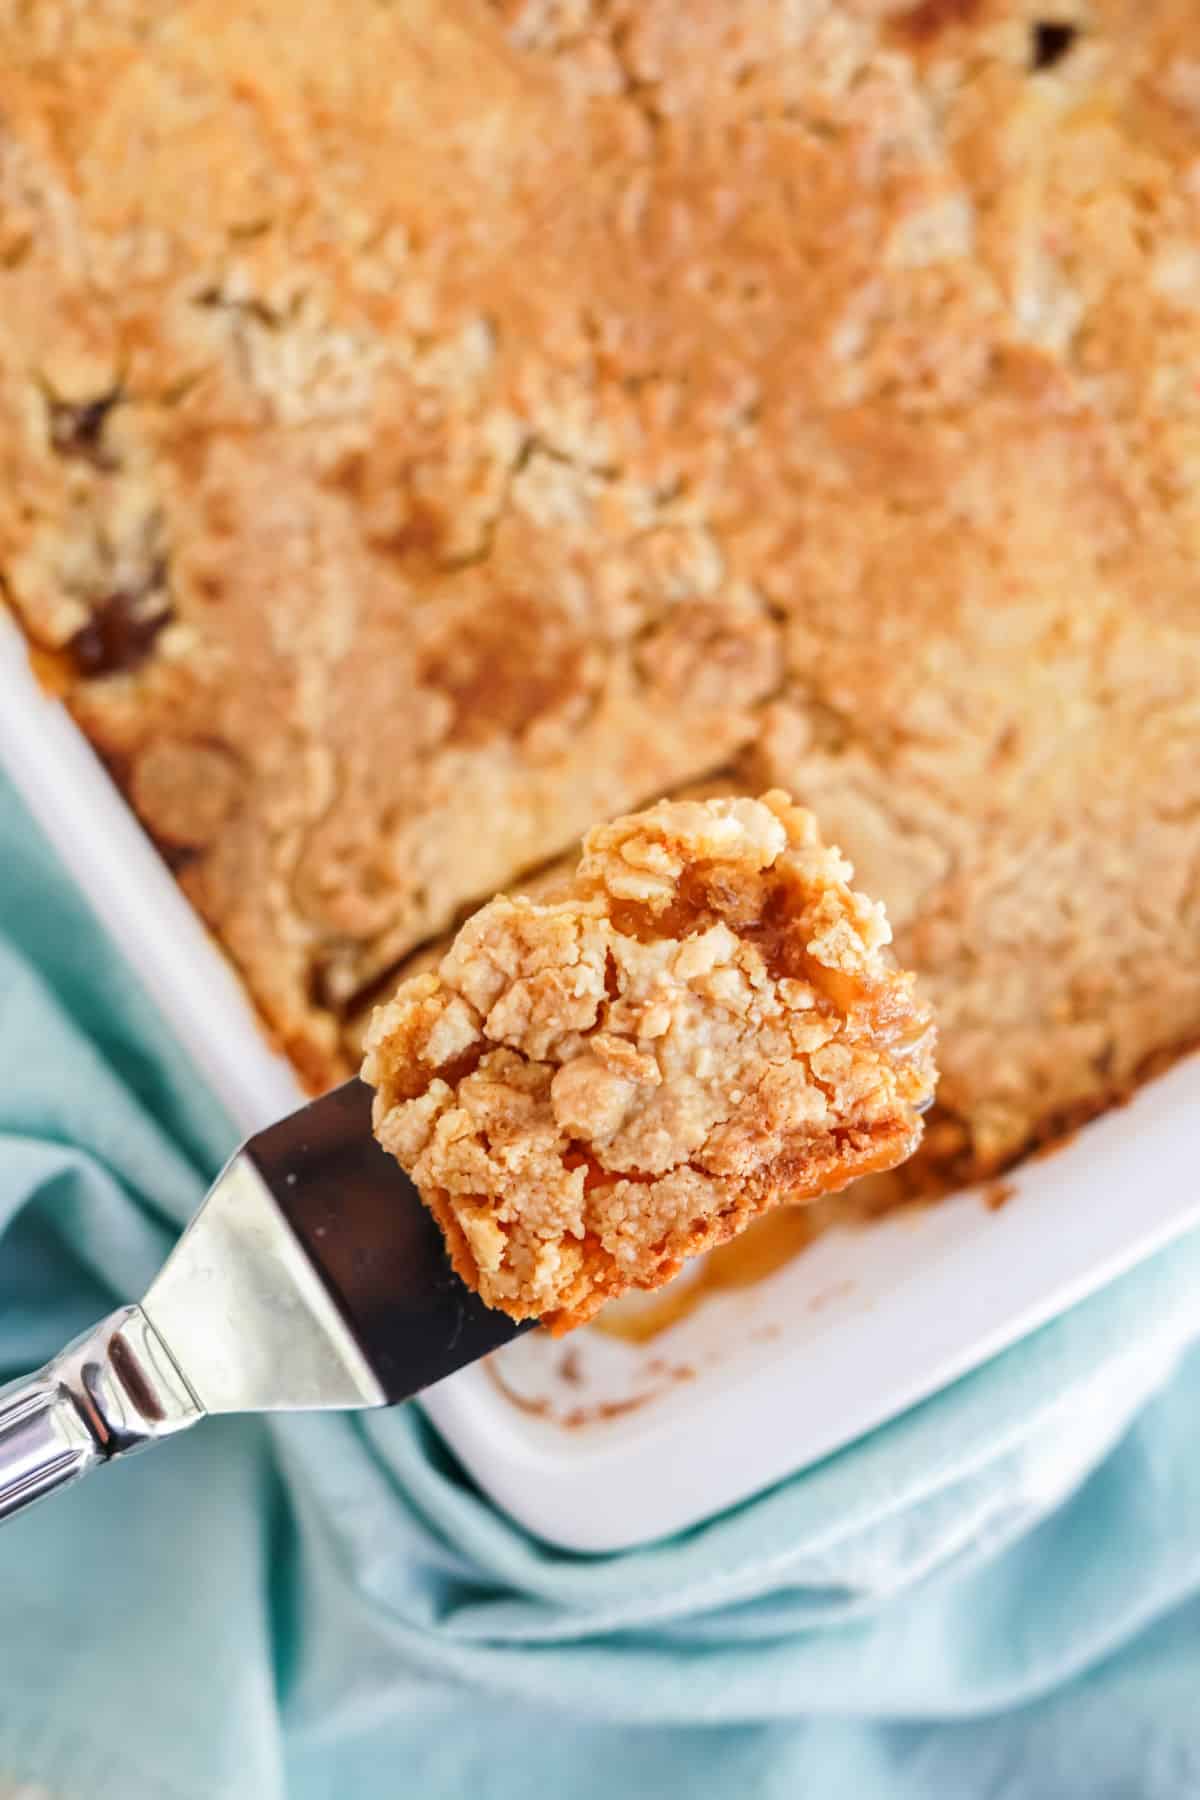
[(327, 1609)]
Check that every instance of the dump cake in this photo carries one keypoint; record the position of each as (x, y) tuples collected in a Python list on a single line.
[(433, 428), (598, 1084)]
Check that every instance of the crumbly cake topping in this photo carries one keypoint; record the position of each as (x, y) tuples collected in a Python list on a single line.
[(591, 1088), (428, 431)]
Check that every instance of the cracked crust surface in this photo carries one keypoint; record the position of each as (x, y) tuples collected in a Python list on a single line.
[(427, 429), (703, 1025)]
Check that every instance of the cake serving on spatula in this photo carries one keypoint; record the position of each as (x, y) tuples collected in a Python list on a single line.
[(703, 1023)]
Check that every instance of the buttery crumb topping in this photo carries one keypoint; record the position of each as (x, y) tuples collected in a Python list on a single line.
[(595, 1085)]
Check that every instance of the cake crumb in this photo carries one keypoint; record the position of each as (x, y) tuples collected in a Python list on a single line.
[(703, 1024)]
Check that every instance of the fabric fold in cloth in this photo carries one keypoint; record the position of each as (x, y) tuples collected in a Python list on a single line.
[(327, 1607)]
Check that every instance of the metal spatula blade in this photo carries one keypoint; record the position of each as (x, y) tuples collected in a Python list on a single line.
[(312, 1277)]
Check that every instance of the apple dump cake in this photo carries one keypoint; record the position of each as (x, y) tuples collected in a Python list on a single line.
[(596, 1085), (426, 430)]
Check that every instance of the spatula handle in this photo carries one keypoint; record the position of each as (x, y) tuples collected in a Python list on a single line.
[(113, 1391), (45, 1443)]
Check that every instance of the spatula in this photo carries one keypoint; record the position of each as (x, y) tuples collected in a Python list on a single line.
[(311, 1277)]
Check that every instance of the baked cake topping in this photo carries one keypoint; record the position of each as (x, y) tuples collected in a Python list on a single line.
[(457, 422), (701, 1025)]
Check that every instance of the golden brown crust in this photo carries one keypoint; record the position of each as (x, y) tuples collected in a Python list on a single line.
[(811, 383), (592, 1088)]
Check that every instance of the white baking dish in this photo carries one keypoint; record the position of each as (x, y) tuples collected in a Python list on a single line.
[(613, 1444)]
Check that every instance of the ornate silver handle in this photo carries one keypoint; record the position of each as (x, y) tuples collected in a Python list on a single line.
[(113, 1391)]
